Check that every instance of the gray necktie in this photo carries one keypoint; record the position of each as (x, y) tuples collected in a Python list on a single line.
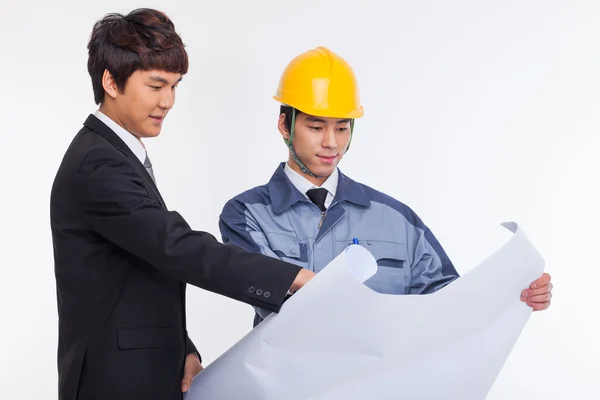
[(148, 166)]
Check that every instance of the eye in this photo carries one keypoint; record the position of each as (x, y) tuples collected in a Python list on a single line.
[(315, 128), (343, 129), (155, 87)]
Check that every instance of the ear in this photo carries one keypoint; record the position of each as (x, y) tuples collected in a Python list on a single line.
[(282, 128), (109, 85)]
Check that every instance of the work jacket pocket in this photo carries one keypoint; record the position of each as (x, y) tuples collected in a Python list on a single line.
[(288, 248), (393, 270)]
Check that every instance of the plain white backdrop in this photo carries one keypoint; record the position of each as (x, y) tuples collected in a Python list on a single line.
[(476, 112)]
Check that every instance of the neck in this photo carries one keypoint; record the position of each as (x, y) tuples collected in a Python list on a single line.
[(317, 181)]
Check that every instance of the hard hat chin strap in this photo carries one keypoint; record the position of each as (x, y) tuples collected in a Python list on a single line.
[(303, 167), (290, 144)]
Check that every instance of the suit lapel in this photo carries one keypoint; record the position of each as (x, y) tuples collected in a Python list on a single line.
[(99, 127)]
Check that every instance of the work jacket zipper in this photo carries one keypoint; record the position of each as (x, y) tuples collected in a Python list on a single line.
[(322, 218)]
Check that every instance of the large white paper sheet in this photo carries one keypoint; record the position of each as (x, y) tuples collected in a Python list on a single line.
[(338, 339)]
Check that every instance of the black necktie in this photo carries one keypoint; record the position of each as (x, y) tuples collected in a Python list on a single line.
[(148, 166), (318, 197)]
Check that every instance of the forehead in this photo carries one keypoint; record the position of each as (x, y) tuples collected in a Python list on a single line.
[(324, 120)]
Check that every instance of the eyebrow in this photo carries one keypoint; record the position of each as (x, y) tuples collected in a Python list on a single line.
[(163, 80), (322, 121)]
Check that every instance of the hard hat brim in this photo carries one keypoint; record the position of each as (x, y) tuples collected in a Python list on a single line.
[(326, 113)]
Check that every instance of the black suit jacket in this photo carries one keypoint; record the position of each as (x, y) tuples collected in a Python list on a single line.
[(122, 261)]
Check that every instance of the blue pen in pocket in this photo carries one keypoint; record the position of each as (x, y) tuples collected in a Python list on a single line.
[(355, 241)]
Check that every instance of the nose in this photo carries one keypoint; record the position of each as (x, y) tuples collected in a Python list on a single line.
[(167, 100), (329, 138)]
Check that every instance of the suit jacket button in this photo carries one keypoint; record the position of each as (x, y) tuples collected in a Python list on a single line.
[(267, 294), (259, 292), (251, 290)]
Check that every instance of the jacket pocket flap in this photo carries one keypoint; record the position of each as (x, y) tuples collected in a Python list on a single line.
[(382, 250), (148, 337), (287, 246)]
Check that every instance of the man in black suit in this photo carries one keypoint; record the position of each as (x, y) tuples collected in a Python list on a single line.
[(122, 259)]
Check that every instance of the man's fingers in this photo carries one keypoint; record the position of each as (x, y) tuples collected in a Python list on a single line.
[(192, 368), (538, 303), (541, 306), (543, 280), (539, 294), (527, 293), (542, 298), (187, 381)]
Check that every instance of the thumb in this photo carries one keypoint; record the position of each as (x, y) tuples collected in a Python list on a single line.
[(187, 380)]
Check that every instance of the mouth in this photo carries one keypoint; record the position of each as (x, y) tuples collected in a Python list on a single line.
[(327, 159), (157, 118)]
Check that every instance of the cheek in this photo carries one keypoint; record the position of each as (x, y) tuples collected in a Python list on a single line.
[(299, 139), (307, 144), (342, 141), (141, 99), (147, 102)]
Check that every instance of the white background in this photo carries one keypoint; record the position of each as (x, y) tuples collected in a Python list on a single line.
[(476, 112)]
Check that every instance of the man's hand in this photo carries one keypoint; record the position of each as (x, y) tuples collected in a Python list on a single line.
[(192, 368), (538, 294), (302, 278)]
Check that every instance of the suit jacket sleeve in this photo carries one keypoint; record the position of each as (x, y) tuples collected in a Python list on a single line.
[(239, 227), (114, 200), (191, 348)]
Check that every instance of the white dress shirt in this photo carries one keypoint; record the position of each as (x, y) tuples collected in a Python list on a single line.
[(134, 144), (304, 185)]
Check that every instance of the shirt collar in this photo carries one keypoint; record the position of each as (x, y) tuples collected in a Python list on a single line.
[(284, 194), (304, 185), (134, 144)]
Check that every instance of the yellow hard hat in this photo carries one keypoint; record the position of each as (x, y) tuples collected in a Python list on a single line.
[(320, 83)]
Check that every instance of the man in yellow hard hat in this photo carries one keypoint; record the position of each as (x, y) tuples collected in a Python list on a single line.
[(309, 212)]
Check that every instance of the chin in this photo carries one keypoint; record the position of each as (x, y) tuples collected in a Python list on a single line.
[(324, 171), (150, 134)]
